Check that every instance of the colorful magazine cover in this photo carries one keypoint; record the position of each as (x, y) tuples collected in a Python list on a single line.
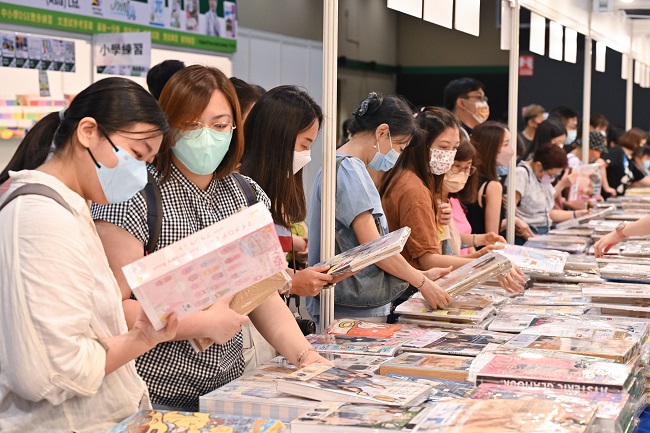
[(366, 254), (441, 389), (326, 383), (329, 343), (440, 324), (512, 322), (429, 365), (575, 299), (419, 308), (474, 273), (626, 272), (534, 259), (361, 328), (468, 342), (167, 421)]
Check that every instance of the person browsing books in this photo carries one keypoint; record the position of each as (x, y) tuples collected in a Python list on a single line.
[(382, 127), (66, 362), (623, 231), (197, 189)]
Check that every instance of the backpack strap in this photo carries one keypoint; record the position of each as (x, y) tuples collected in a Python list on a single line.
[(36, 189), (153, 198), (246, 188)]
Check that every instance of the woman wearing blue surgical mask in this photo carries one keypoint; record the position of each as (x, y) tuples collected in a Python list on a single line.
[(197, 189), (66, 363), (382, 127)]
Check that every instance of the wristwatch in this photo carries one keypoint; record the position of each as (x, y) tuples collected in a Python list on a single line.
[(619, 230)]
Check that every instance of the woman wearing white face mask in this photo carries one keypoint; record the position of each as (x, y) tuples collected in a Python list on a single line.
[(381, 128)]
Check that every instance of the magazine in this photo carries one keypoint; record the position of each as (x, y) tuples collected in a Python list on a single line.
[(162, 421), (569, 244), (419, 308), (474, 273), (328, 343), (575, 231), (568, 277), (439, 324), (616, 290), (581, 262), (429, 365), (468, 342), (534, 259), (367, 254), (545, 309), (512, 322), (363, 363), (195, 272), (326, 383), (499, 416), (345, 417), (441, 389), (626, 272), (588, 327), (576, 299), (361, 328), (575, 222), (635, 248)]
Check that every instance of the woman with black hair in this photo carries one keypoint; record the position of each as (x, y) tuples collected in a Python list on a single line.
[(552, 130), (66, 358)]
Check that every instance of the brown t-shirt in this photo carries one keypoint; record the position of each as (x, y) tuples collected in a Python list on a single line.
[(409, 203)]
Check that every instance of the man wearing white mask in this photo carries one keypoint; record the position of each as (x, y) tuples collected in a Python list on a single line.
[(465, 97), (569, 118)]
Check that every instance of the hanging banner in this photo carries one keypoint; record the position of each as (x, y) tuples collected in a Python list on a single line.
[(32, 52), (122, 53), (202, 24)]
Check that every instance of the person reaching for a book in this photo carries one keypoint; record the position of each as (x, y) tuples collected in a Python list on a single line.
[(66, 362), (197, 189), (623, 231)]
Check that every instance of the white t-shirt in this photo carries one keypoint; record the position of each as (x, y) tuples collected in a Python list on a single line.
[(57, 296), (536, 197)]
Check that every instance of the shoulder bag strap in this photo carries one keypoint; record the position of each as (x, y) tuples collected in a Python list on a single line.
[(246, 188), (152, 196), (36, 189)]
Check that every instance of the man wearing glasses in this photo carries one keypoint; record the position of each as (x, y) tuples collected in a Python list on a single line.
[(465, 97)]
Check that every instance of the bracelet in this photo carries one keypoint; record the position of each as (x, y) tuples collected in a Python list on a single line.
[(474, 240), (574, 215), (303, 353), (424, 279)]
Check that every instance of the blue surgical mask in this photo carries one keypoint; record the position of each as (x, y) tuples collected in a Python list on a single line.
[(502, 170), (571, 136), (384, 162), (202, 150), (123, 181)]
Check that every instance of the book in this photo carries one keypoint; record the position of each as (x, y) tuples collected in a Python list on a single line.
[(441, 389), (613, 411), (595, 215), (576, 299), (415, 307), (589, 328), (474, 273), (429, 365), (569, 244), (626, 272), (567, 277), (468, 342), (345, 417), (581, 262), (635, 248), (362, 328), (568, 372), (195, 272), (439, 324), (326, 383), (499, 416), (512, 322), (545, 309), (616, 290), (618, 350), (367, 254), (574, 231), (163, 421), (534, 259), (328, 343)]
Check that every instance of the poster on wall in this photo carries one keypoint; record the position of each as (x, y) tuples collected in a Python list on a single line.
[(202, 24), (8, 50), (22, 51), (31, 52), (122, 53), (35, 47)]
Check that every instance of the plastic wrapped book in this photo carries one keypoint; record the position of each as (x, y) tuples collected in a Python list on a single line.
[(429, 365), (535, 259), (474, 273), (418, 308)]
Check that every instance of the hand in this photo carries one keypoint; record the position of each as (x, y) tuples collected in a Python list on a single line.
[(434, 295), (310, 281), (221, 322), (606, 243), (435, 273), (312, 357), (522, 229), (149, 335), (483, 251), (299, 243), (445, 213), (512, 282), (611, 191), (301, 256), (489, 238)]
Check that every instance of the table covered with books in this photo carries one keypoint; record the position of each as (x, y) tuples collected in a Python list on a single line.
[(569, 354)]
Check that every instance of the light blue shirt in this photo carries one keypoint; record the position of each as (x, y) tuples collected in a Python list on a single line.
[(355, 194)]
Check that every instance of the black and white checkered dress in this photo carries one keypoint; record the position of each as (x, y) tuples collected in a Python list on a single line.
[(175, 374)]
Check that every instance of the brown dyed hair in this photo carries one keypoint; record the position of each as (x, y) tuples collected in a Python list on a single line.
[(550, 156), (487, 138), (184, 98), (632, 139), (467, 152)]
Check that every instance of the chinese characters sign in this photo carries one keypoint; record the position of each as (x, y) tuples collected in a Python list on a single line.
[(122, 53)]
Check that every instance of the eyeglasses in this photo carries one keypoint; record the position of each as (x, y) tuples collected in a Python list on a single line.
[(468, 170), (482, 98), (194, 129)]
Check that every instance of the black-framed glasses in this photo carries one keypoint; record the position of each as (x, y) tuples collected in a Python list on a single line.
[(482, 98), (467, 170)]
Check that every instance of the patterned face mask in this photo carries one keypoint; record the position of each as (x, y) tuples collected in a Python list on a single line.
[(441, 161)]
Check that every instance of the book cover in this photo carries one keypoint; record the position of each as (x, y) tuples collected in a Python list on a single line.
[(440, 324), (589, 328), (163, 421), (545, 309), (569, 244), (565, 372), (616, 290), (626, 272), (618, 350), (327, 383), (362, 328), (344, 417), (512, 322), (534, 259), (474, 273), (575, 277), (429, 365), (419, 308), (329, 343), (581, 262), (576, 299), (498, 416), (363, 363), (612, 414), (441, 389), (585, 219), (468, 342), (195, 272), (366, 254)]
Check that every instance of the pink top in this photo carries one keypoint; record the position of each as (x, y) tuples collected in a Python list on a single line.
[(460, 219)]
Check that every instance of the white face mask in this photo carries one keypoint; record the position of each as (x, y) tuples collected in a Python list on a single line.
[(505, 155), (441, 161), (482, 111), (571, 136), (301, 159)]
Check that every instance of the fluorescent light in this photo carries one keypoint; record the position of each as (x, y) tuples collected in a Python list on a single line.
[(537, 33), (601, 52), (556, 34), (570, 45)]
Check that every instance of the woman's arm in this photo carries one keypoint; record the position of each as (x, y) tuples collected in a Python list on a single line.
[(637, 228), (492, 206), (218, 322), (559, 215)]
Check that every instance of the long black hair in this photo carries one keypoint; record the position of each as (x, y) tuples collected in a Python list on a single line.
[(270, 134), (115, 103)]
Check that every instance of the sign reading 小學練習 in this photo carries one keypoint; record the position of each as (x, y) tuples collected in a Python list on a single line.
[(203, 24), (122, 53)]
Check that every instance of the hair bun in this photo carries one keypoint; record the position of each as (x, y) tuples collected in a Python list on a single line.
[(370, 104)]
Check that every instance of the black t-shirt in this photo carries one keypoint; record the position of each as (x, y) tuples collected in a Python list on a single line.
[(621, 171)]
